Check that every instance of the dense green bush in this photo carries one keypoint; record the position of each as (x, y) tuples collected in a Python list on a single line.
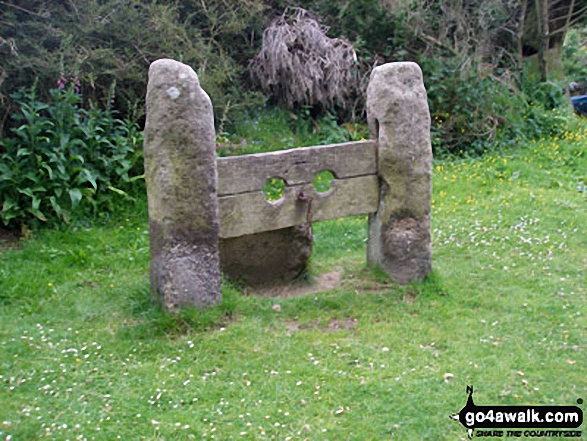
[(475, 98), (114, 41), (64, 160), (462, 106), (474, 111), (575, 54)]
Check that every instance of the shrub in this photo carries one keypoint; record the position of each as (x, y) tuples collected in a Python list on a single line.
[(299, 65), (64, 160), (466, 106), (477, 111), (110, 41), (575, 54)]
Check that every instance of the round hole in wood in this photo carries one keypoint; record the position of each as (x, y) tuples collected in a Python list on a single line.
[(323, 181), (274, 189)]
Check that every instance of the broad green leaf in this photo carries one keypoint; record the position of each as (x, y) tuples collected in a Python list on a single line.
[(7, 216), (9, 204), (26, 191), (36, 203), (5, 173), (49, 170), (56, 206), (90, 178), (79, 142), (77, 157), (64, 140), (76, 195), (38, 215)]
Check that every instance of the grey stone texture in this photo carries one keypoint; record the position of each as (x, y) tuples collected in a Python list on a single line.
[(184, 207), (398, 115), (181, 178), (269, 258)]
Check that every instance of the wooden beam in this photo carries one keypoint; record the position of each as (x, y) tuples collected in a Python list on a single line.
[(242, 174), (251, 213)]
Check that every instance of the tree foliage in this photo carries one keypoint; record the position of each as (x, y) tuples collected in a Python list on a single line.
[(575, 60), (114, 41), (110, 43)]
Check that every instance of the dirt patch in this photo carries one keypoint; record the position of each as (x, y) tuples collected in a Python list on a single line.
[(325, 282), (345, 324), (295, 326), (8, 238), (410, 297)]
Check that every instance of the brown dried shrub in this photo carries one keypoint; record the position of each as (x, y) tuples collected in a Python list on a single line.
[(299, 65)]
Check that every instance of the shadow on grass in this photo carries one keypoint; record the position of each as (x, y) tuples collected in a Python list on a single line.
[(150, 320)]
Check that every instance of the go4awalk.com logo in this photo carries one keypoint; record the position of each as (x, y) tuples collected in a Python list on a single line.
[(520, 421)]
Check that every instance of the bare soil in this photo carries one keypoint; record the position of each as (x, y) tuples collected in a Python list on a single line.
[(345, 324), (325, 282), (8, 238)]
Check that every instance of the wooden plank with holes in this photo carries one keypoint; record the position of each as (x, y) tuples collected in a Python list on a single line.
[(242, 174), (250, 213)]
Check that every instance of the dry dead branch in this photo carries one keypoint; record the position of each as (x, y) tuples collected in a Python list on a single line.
[(299, 65)]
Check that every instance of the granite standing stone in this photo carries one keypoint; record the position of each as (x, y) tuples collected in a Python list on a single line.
[(399, 233), (181, 178)]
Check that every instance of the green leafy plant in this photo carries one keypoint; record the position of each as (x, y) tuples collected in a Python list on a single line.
[(63, 159), (116, 40), (549, 94), (575, 54), (466, 107), (474, 112)]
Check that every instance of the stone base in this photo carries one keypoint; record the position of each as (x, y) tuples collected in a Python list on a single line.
[(269, 258), (184, 276), (401, 248)]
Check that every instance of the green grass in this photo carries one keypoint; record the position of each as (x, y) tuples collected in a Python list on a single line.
[(85, 355), (270, 129)]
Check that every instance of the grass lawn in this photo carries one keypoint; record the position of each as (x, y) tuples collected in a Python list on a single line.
[(85, 354)]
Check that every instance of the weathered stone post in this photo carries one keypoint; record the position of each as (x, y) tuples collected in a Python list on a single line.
[(181, 178), (399, 233)]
